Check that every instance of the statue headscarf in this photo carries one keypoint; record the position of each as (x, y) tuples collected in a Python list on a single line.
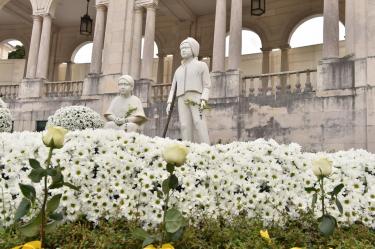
[(193, 44)]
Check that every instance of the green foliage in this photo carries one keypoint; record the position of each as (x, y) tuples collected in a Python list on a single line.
[(19, 53), (241, 233)]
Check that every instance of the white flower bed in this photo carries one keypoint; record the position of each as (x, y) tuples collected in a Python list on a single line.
[(263, 178), (76, 118), (5, 120)]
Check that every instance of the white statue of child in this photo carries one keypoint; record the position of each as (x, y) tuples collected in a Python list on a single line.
[(125, 111)]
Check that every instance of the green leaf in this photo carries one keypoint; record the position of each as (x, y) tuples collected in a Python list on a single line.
[(148, 241), (69, 185), (22, 209), (170, 168), (32, 228), (53, 204), (314, 200), (52, 226), (327, 225), (56, 216), (173, 182), (34, 164), (338, 188), (339, 206), (175, 236), (140, 234), (52, 172), (311, 189), (36, 175), (173, 220), (28, 191), (165, 186), (57, 180)]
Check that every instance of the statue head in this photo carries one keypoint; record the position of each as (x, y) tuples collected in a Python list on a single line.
[(125, 85), (189, 48)]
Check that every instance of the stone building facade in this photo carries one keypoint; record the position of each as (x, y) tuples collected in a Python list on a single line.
[(328, 105)]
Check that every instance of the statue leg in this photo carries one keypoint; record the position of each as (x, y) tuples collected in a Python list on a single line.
[(199, 121), (186, 120), (111, 125)]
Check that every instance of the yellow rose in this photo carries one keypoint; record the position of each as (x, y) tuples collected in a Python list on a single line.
[(167, 246), (150, 247), (264, 234), (30, 245), (54, 137), (175, 154), (322, 167)]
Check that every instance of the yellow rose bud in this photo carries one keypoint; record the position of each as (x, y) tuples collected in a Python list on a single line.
[(150, 247), (54, 137), (167, 246), (175, 154), (30, 245), (264, 234), (322, 167)]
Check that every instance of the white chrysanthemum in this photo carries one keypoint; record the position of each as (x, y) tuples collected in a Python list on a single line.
[(76, 118), (5, 120)]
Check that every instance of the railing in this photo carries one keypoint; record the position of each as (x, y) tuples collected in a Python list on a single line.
[(160, 92), (63, 89), (275, 83), (8, 92)]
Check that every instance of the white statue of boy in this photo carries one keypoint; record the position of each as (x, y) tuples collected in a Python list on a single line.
[(193, 83), (125, 111)]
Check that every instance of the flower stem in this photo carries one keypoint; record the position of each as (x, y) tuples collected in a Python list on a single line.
[(163, 234), (43, 211), (323, 194)]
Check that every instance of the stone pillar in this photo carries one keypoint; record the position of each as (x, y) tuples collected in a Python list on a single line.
[(349, 26), (235, 40), (265, 66), (331, 29), (34, 47), (135, 65), (128, 39), (68, 72), (148, 47), (284, 65), (44, 48), (161, 68), (97, 49), (218, 58)]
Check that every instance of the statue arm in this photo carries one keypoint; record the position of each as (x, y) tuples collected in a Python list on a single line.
[(206, 83), (171, 92)]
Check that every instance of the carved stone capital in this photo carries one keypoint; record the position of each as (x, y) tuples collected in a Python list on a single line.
[(147, 3)]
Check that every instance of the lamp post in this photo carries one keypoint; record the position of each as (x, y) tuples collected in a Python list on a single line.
[(258, 7), (86, 22)]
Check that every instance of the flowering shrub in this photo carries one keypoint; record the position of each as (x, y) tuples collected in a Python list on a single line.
[(76, 118), (120, 175), (5, 120)]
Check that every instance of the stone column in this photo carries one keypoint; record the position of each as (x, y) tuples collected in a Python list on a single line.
[(68, 72), (128, 39), (44, 48), (148, 47), (284, 65), (97, 49), (161, 68), (331, 29), (265, 66), (349, 26), (34, 47), (218, 58), (135, 65), (235, 40)]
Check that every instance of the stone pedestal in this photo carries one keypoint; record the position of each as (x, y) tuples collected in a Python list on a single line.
[(142, 89), (225, 85), (335, 74), (91, 84), (31, 88)]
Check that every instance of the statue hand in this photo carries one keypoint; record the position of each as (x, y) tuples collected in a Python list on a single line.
[(168, 108), (119, 121), (203, 104)]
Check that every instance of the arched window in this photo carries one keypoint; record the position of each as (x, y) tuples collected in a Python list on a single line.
[(310, 32), (156, 49), (82, 54), (12, 49), (251, 43)]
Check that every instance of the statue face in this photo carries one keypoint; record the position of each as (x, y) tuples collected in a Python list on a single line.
[(186, 51), (125, 87)]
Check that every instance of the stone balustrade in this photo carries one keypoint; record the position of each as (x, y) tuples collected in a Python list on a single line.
[(9, 92), (63, 89), (276, 83), (160, 92)]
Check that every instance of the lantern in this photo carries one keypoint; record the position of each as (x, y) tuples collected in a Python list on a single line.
[(86, 22), (258, 7)]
